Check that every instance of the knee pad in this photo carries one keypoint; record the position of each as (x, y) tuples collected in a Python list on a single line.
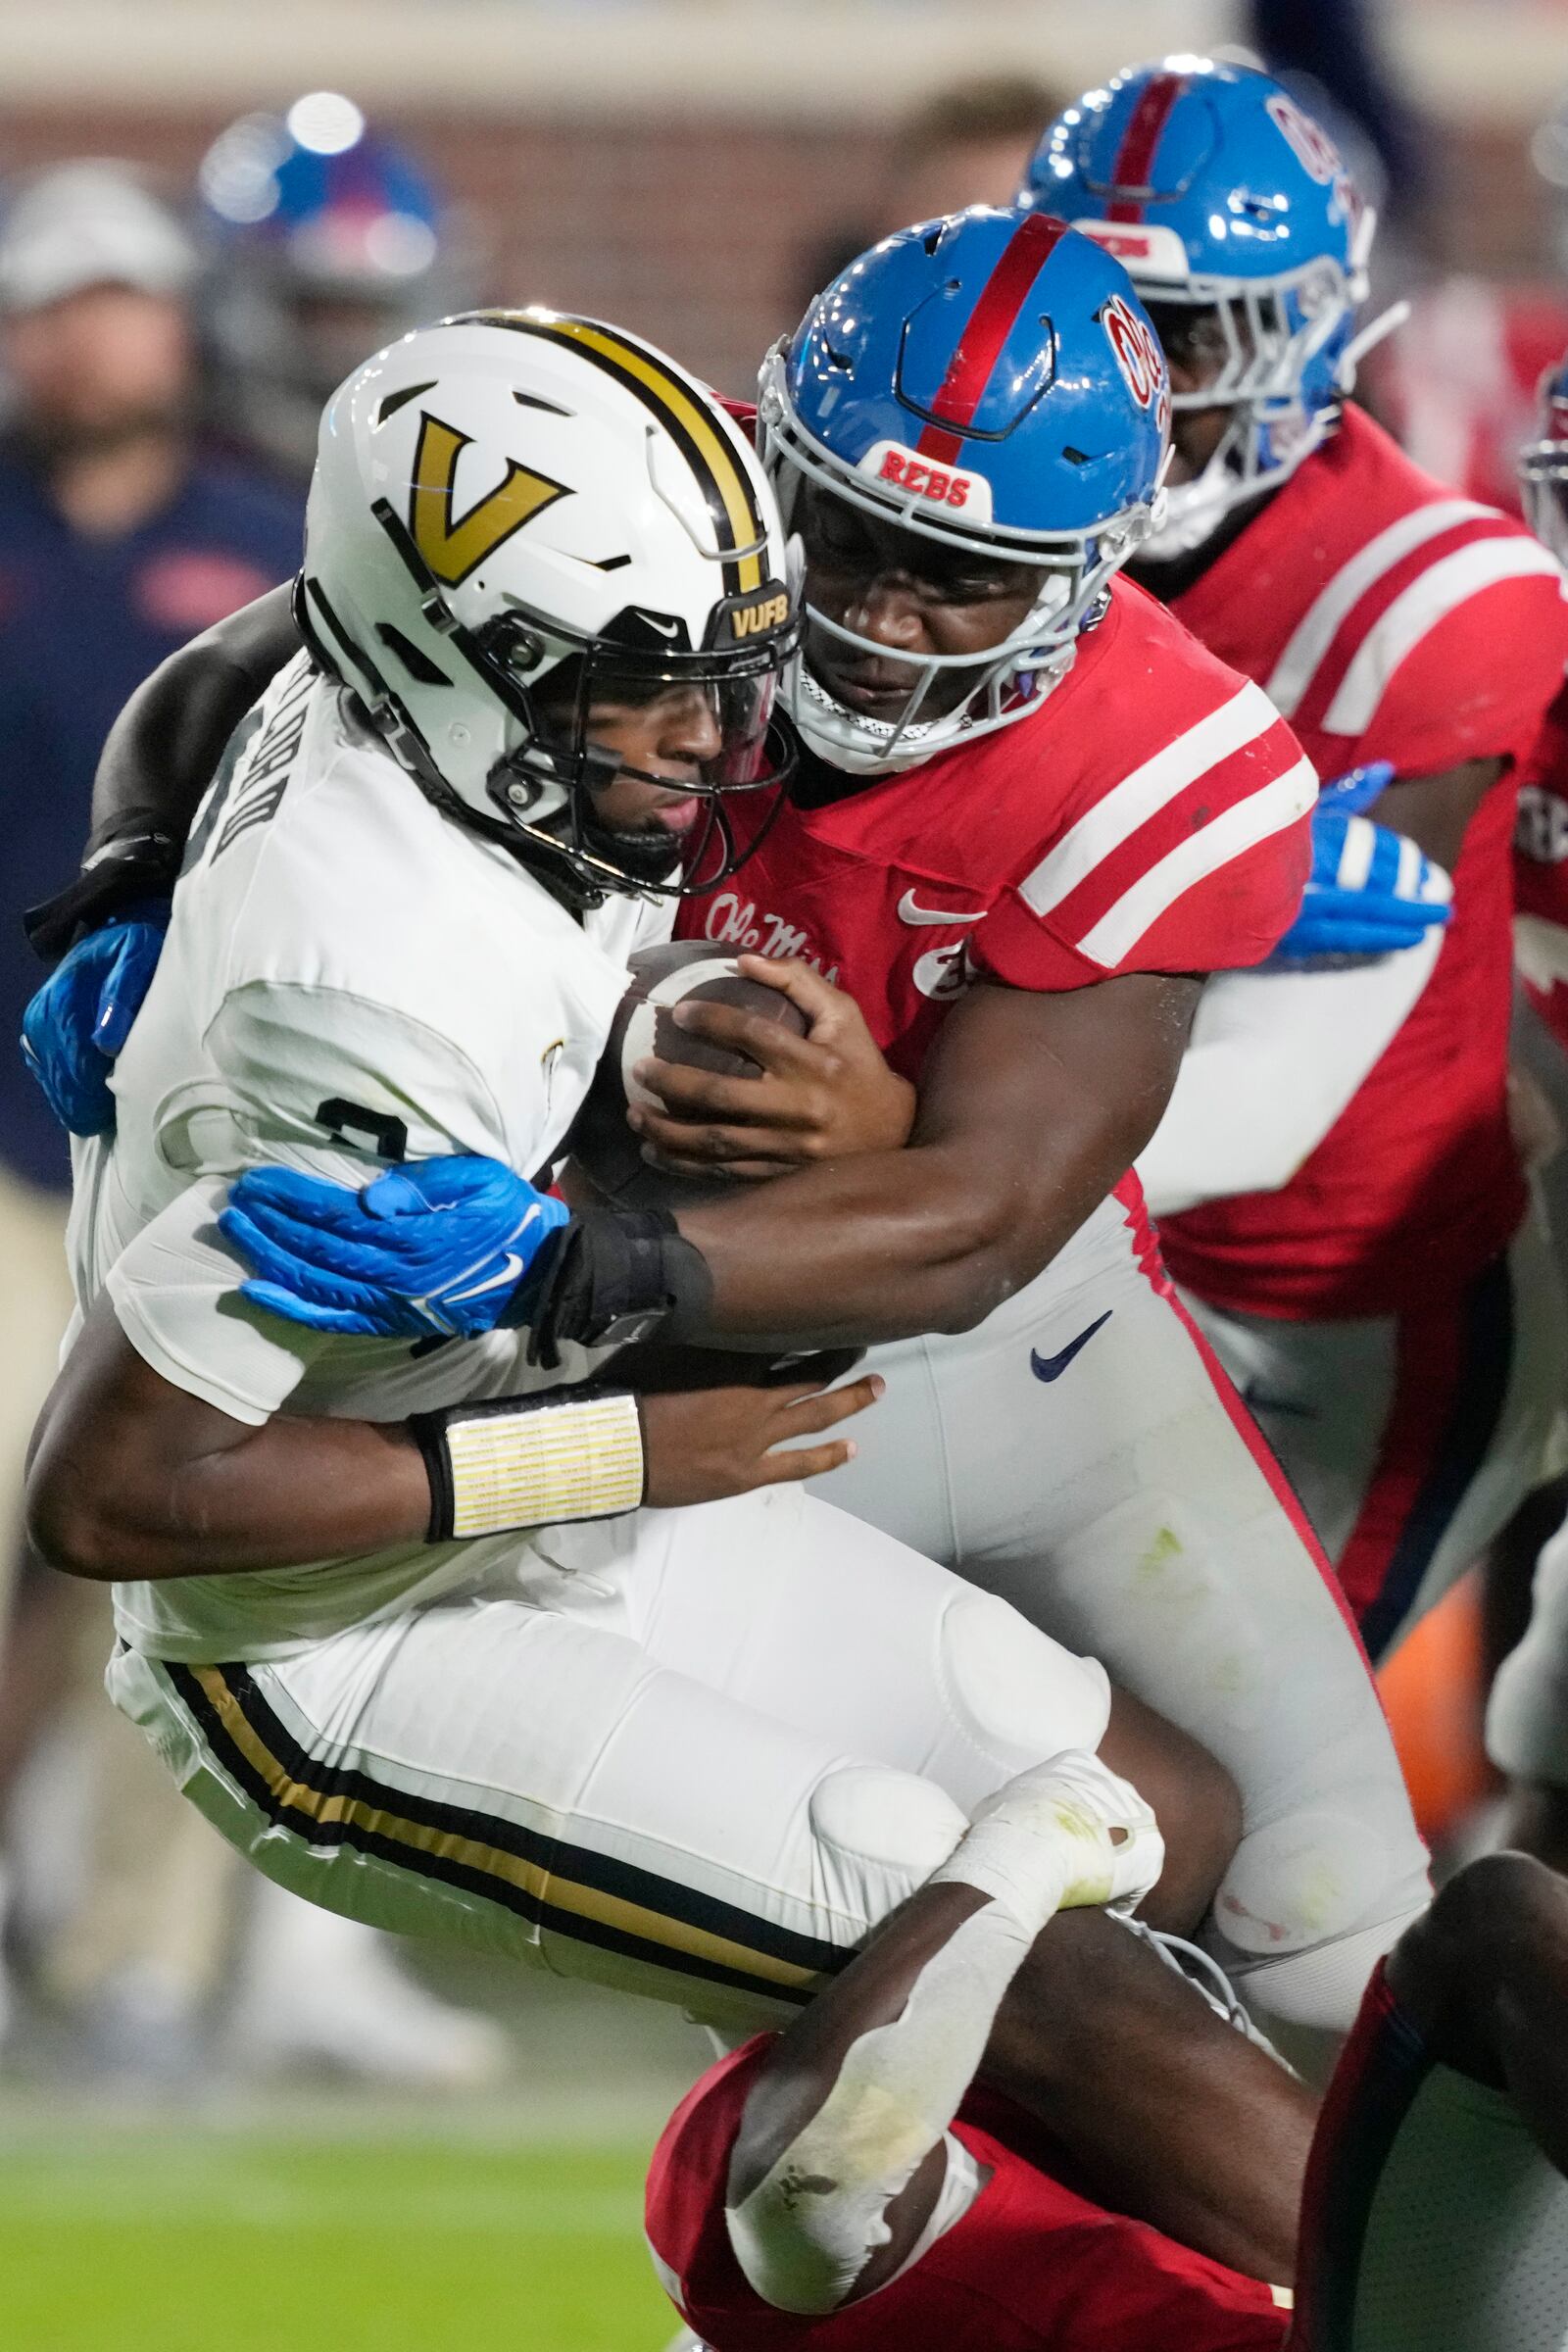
[(1309, 1879), (880, 1835), (1306, 1911), (1014, 1692)]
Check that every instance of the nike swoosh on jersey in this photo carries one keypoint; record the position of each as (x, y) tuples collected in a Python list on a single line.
[(510, 1276), (910, 912), (1051, 1367)]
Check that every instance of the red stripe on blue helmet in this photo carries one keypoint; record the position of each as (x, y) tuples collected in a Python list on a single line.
[(985, 333), (1135, 157)]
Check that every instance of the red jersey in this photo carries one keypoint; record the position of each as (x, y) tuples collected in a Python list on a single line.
[(1389, 620), (1032, 2266), (1541, 872), (1151, 816)]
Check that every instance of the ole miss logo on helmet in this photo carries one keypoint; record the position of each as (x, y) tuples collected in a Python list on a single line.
[(1311, 143), (1139, 357)]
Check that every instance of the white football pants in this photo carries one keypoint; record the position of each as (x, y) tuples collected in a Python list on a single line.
[(1082, 1455), (695, 1754)]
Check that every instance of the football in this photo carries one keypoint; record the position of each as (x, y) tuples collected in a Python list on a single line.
[(681, 973)]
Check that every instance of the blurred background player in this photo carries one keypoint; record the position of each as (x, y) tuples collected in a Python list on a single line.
[(328, 241), (1388, 1309), (1527, 1718), (1540, 837)]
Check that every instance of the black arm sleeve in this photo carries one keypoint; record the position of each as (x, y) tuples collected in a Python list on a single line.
[(166, 744), (161, 756)]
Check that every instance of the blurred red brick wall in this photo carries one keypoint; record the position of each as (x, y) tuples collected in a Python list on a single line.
[(694, 232), (698, 231)]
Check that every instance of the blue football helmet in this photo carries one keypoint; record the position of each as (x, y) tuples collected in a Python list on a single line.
[(989, 381), (1543, 464), (331, 241), (1242, 230)]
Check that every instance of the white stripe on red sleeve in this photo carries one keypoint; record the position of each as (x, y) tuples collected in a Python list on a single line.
[(1430, 598), (1319, 624), (1241, 827), (1103, 828)]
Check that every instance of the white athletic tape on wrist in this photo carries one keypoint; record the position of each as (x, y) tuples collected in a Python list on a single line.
[(812, 2223), (1044, 1842), (532, 1461)]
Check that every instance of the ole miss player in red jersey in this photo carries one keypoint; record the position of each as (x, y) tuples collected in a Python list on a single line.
[(1032, 810), (1388, 1308), (855, 2183), (1541, 838), (1027, 797), (1527, 1715)]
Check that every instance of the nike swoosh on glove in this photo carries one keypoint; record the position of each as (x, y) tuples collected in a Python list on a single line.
[(1371, 892), (76, 1025), (437, 1249)]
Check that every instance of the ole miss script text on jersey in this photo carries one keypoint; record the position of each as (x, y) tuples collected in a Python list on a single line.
[(1032, 2266), (1151, 816), (1389, 620)]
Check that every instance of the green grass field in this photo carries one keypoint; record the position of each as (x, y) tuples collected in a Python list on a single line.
[(121, 2238)]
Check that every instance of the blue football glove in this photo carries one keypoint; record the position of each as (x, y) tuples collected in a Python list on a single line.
[(437, 1249), (1371, 892), (1353, 793), (81, 1016)]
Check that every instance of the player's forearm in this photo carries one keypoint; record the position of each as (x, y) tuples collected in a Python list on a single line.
[(824, 2100), (895, 1244), (802, 2064), (856, 2098), (132, 1479)]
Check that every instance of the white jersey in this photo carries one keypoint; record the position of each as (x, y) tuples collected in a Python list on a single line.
[(350, 979)]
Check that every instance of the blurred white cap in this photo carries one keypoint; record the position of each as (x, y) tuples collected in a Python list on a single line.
[(90, 224)]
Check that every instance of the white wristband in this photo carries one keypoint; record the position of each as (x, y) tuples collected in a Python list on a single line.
[(531, 1462)]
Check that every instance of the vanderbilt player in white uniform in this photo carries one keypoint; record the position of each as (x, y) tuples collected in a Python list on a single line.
[(693, 1752)]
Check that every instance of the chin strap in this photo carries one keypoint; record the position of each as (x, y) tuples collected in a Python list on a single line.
[(1370, 336)]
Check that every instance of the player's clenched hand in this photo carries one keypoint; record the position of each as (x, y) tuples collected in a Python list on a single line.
[(823, 1096), (702, 1445)]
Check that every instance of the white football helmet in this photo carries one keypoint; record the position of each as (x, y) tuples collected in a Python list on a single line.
[(517, 501)]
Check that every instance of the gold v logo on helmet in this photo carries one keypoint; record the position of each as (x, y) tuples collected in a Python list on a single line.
[(453, 548)]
